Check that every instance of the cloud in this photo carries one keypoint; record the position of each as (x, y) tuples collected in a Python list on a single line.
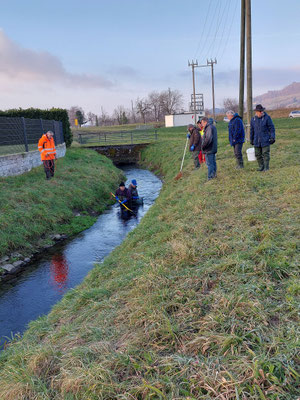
[(21, 64), (123, 71)]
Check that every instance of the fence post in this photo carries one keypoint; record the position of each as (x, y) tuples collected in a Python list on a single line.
[(105, 137), (131, 137), (25, 134), (42, 125), (61, 132), (55, 140)]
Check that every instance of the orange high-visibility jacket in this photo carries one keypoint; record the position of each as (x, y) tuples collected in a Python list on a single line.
[(47, 148)]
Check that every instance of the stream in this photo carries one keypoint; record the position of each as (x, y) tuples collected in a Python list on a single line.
[(65, 265)]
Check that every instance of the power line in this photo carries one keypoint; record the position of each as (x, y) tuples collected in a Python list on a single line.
[(203, 28), (224, 28), (218, 24), (229, 32), (210, 27)]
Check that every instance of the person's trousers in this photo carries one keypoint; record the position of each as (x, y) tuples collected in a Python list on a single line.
[(262, 155), (201, 157), (195, 156), (211, 165), (49, 168), (238, 154)]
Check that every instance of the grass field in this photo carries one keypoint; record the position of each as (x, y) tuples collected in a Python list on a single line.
[(199, 302), (31, 207)]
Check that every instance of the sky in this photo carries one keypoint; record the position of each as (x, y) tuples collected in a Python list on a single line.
[(106, 53)]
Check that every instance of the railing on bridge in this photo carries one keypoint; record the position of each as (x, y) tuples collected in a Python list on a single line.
[(106, 138)]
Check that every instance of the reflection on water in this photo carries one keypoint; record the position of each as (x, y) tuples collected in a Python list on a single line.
[(59, 271), (65, 265)]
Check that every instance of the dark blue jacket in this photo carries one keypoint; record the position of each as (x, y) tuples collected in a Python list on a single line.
[(236, 130), (261, 131), (210, 139)]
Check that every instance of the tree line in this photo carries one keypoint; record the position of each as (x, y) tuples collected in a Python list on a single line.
[(152, 108)]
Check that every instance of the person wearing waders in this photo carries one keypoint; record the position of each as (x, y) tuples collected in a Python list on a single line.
[(47, 149), (133, 190), (123, 195), (195, 144), (236, 134), (262, 135)]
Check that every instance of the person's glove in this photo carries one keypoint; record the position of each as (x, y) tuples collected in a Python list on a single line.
[(272, 141), (124, 201), (188, 135), (192, 148), (117, 198), (135, 197)]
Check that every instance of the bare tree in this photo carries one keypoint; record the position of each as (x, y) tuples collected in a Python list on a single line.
[(171, 101), (154, 100), (231, 104), (92, 118), (133, 113), (142, 107), (120, 115), (104, 117)]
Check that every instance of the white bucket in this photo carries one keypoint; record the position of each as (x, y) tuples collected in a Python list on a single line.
[(251, 154)]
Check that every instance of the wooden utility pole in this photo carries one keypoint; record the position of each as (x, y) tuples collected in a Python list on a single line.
[(242, 61), (211, 63), (193, 65), (249, 65)]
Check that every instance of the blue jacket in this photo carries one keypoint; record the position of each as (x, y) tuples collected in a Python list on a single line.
[(261, 131), (210, 139), (236, 130)]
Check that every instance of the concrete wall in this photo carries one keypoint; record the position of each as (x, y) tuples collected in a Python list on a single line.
[(16, 164)]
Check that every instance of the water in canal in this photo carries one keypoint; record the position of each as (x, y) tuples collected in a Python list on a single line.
[(64, 266)]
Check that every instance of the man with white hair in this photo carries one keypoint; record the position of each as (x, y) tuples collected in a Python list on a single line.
[(46, 147), (236, 133)]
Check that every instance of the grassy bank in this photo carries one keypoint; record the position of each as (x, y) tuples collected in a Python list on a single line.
[(32, 208), (199, 302)]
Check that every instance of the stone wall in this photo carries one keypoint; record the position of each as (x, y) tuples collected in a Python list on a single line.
[(121, 154), (16, 164)]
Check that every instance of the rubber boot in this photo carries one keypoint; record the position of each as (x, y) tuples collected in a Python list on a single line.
[(266, 157), (266, 165), (259, 157)]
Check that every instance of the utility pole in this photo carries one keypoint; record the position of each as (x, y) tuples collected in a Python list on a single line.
[(249, 65), (211, 64), (193, 65), (242, 60)]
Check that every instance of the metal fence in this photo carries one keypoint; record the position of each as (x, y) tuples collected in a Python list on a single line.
[(19, 135), (114, 138)]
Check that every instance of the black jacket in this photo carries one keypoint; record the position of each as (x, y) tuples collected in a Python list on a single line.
[(210, 139)]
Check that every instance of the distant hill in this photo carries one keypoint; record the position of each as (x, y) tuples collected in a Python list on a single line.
[(288, 97)]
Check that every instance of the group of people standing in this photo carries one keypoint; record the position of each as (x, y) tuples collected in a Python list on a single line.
[(204, 140)]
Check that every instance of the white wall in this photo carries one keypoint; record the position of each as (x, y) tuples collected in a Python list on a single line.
[(181, 119), (16, 164)]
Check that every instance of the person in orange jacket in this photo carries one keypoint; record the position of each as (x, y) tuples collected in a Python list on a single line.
[(46, 147)]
